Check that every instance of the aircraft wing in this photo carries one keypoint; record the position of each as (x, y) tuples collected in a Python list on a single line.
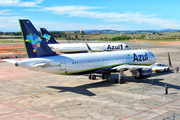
[(97, 50), (10, 60), (131, 67)]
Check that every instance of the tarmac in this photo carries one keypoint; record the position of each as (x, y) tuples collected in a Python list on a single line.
[(32, 95)]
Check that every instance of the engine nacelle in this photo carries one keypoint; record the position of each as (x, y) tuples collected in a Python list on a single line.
[(140, 74)]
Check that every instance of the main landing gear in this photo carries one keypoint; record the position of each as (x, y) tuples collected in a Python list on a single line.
[(104, 76), (120, 78), (93, 77), (121, 81)]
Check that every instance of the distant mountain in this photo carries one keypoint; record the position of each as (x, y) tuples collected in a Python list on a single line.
[(129, 31), (109, 31)]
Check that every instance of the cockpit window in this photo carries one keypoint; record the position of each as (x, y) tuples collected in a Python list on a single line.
[(151, 54)]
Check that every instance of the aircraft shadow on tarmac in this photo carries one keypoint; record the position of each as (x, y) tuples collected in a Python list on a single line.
[(158, 83), (161, 73), (153, 82), (82, 89)]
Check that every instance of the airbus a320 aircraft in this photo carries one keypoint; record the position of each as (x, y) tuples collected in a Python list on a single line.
[(81, 47), (42, 58)]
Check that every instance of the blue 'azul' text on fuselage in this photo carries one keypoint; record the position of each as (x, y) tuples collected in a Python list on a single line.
[(113, 47), (140, 57)]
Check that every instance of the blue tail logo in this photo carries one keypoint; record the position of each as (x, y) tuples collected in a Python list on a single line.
[(47, 37), (34, 40)]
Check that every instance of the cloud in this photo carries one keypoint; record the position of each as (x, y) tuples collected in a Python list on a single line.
[(63, 26), (31, 4), (18, 3), (9, 23), (9, 2), (113, 20), (133, 17), (72, 10), (6, 12)]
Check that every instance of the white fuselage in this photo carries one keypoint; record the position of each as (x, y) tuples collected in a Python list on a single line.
[(86, 62), (79, 47)]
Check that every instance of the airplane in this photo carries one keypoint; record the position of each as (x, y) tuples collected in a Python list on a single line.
[(81, 47), (42, 58)]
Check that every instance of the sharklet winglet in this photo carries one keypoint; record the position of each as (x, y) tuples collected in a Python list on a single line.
[(169, 60)]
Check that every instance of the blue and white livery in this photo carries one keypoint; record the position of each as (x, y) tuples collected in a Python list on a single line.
[(42, 58), (81, 47)]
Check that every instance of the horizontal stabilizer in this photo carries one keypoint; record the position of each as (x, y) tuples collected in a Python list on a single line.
[(11, 60), (40, 64)]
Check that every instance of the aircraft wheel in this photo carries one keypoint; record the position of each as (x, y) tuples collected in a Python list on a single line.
[(121, 81), (116, 80), (103, 76), (93, 77), (90, 76)]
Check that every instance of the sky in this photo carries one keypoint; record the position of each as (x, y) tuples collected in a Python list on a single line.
[(94, 14)]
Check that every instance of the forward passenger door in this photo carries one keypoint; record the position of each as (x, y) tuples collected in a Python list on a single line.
[(63, 64)]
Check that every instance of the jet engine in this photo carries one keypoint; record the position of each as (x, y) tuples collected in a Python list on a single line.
[(140, 73)]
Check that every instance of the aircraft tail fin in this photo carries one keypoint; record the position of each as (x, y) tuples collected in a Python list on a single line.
[(49, 39), (169, 60), (35, 45)]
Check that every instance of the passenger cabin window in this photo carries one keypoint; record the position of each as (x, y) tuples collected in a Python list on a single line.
[(98, 60)]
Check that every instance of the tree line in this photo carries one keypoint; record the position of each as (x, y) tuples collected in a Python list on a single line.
[(54, 34), (123, 37), (11, 33)]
